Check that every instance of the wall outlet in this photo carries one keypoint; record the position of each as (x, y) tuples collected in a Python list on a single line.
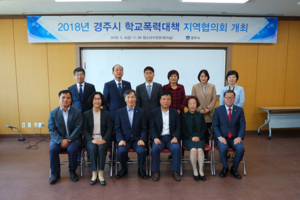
[(23, 125), (41, 125), (35, 125), (29, 125)]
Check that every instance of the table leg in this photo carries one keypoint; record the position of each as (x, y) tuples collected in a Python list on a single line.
[(267, 122)]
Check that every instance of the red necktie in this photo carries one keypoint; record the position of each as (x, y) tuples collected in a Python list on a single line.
[(229, 118)]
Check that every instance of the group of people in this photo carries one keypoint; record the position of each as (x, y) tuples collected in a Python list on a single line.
[(151, 112)]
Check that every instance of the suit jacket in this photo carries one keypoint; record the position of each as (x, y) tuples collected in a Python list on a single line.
[(156, 123), (207, 99), (221, 125), (88, 126), (88, 90), (187, 126), (57, 128), (113, 98), (143, 101), (123, 129)]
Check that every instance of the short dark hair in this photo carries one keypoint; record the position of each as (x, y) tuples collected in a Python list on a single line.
[(79, 69), (91, 98), (115, 66), (205, 72), (166, 93), (189, 98), (149, 68), (232, 72), (65, 92), (229, 91), (172, 72), (127, 92)]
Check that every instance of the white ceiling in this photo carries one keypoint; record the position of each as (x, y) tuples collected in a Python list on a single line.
[(253, 7)]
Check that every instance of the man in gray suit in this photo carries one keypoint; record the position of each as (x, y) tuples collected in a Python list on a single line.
[(148, 93), (64, 126)]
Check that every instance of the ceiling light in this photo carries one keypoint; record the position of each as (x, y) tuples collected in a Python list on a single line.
[(215, 1), (83, 0)]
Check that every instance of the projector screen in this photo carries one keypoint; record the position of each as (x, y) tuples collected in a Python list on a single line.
[(98, 65)]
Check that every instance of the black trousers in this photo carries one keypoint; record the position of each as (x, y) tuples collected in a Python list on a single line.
[(97, 152)]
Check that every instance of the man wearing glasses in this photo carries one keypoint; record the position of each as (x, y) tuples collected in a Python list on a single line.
[(229, 128)]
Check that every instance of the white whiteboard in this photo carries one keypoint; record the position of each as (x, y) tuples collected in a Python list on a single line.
[(98, 65)]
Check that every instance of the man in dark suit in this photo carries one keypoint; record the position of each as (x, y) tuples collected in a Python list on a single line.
[(229, 128), (165, 133), (131, 132), (81, 91), (64, 124), (113, 92), (147, 94)]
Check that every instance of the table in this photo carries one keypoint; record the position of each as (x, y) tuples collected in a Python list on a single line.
[(283, 119)]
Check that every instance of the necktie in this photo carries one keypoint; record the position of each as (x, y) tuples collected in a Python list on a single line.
[(120, 89), (149, 91), (80, 92), (229, 118)]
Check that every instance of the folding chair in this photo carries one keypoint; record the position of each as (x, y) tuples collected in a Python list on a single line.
[(83, 162)]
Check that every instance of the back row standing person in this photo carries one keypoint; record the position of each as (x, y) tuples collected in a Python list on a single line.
[(232, 77), (113, 94), (81, 91)]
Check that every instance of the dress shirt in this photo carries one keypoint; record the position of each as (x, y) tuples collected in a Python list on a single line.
[(82, 87), (203, 88), (117, 82), (227, 109), (66, 115), (130, 114), (149, 84), (166, 128), (97, 125)]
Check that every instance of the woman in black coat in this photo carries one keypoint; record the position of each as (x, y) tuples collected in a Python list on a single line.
[(97, 131), (193, 130)]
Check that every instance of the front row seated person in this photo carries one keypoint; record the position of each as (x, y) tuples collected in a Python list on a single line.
[(97, 131), (165, 133), (131, 132), (193, 130), (64, 124), (229, 128)]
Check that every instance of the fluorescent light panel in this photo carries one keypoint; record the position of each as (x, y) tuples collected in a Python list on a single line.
[(83, 0), (214, 1)]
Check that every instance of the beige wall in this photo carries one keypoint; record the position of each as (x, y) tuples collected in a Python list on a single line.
[(33, 74)]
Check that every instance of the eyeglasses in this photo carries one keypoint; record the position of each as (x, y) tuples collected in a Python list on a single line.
[(97, 99), (149, 73), (229, 98), (79, 75)]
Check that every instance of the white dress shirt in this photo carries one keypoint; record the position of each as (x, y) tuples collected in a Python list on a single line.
[(166, 128), (149, 84), (78, 87), (117, 82), (65, 116)]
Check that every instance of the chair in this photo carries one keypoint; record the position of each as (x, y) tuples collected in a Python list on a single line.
[(230, 160), (64, 161), (163, 161), (131, 160), (83, 162)]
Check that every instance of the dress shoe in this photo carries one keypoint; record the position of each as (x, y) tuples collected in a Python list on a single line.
[(74, 176), (235, 173), (121, 173), (142, 173), (176, 176), (202, 178), (102, 182), (170, 156), (196, 178), (93, 182), (54, 178), (224, 172), (155, 176)]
